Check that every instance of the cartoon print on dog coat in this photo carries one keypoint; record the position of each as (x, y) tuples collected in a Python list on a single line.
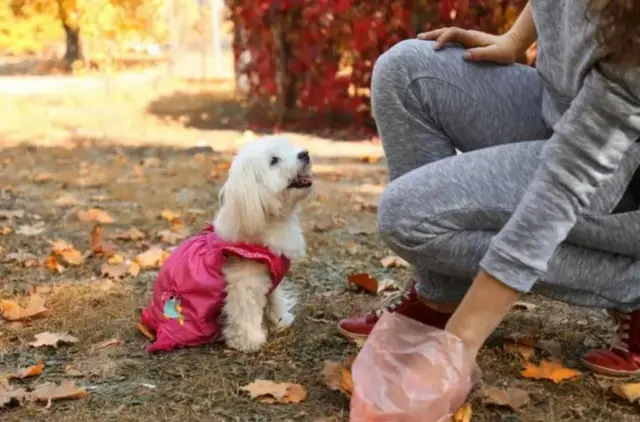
[(189, 292)]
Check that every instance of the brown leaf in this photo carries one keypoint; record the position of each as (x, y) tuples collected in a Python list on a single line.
[(171, 237), (115, 259), (463, 414), (8, 394), (352, 247), (31, 371), (393, 261), (59, 245), (134, 269), (131, 234), (27, 230), (518, 348), (98, 244), (72, 372), (72, 257), (553, 371), (273, 392), (369, 283), (114, 270), (337, 376), (5, 230), (52, 339), (11, 311), (49, 391), (168, 215), (66, 200), (11, 214), (526, 306), (146, 332), (108, 343), (322, 227), (151, 258), (630, 392), (515, 398), (95, 214), (22, 257), (53, 264)]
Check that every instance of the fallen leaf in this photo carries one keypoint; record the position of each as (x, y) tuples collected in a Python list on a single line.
[(517, 348), (526, 306), (369, 283), (108, 343), (11, 311), (337, 376), (630, 392), (72, 257), (53, 264), (22, 257), (52, 339), (9, 394), (31, 371), (352, 247), (393, 261), (114, 270), (552, 347), (553, 371), (72, 372), (196, 211), (115, 259), (463, 414), (134, 269), (5, 230), (322, 227), (10, 214), (98, 244), (515, 398), (131, 234), (168, 215), (66, 200), (59, 245), (50, 391), (95, 214), (171, 237), (146, 332), (153, 257), (272, 392), (27, 230)]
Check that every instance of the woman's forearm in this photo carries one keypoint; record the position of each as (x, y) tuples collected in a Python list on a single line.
[(484, 306), (523, 32)]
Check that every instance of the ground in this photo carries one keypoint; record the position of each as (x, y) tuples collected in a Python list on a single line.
[(138, 152)]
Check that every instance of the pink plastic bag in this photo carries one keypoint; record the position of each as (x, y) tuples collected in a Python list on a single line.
[(189, 292), (409, 372)]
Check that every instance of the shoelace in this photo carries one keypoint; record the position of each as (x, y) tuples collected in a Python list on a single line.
[(392, 302)]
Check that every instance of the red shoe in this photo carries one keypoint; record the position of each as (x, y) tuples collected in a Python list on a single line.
[(623, 358), (407, 304)]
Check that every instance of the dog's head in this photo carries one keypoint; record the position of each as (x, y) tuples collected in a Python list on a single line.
[(266, 181)]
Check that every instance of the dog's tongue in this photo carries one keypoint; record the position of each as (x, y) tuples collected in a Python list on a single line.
[(303, 179)]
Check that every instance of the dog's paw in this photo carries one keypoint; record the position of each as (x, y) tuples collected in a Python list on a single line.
[(247, 341)]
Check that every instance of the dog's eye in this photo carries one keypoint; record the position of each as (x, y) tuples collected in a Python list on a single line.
[(274, 160)]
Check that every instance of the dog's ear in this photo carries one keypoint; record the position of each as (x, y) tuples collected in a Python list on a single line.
[(241, 200)]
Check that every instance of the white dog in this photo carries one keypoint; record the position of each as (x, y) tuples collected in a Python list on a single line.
[(259, 204)]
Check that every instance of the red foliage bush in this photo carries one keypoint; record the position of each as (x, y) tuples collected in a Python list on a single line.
[(315, 57)]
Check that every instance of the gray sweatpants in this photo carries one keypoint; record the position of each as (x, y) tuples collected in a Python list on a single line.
[(440, 209)]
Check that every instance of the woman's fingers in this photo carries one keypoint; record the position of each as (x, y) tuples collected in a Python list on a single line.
[(447, 35), (494, 53)]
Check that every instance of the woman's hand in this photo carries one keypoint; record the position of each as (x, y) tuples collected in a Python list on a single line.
[(481, 46)]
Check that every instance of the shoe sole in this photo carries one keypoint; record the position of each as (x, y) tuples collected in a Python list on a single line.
[(607, 371), (352, 336)]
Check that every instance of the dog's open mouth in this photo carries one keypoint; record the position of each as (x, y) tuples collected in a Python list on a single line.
[(301, 181)]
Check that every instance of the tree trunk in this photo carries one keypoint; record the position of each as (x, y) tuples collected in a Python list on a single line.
[(73, 50)]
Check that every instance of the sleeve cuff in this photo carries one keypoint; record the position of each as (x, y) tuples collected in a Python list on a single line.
[(509, 270)]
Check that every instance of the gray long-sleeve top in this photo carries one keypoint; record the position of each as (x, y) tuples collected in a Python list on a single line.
[(594, 110)]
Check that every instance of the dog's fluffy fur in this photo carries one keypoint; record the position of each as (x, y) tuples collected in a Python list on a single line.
[(259, 204)]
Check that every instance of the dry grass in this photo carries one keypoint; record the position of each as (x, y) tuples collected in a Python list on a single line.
[(138, 168)]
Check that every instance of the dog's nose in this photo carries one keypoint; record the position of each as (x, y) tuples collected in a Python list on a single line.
[(304, 156)]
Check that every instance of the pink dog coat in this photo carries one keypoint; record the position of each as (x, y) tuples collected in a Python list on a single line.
[(190, 289)]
